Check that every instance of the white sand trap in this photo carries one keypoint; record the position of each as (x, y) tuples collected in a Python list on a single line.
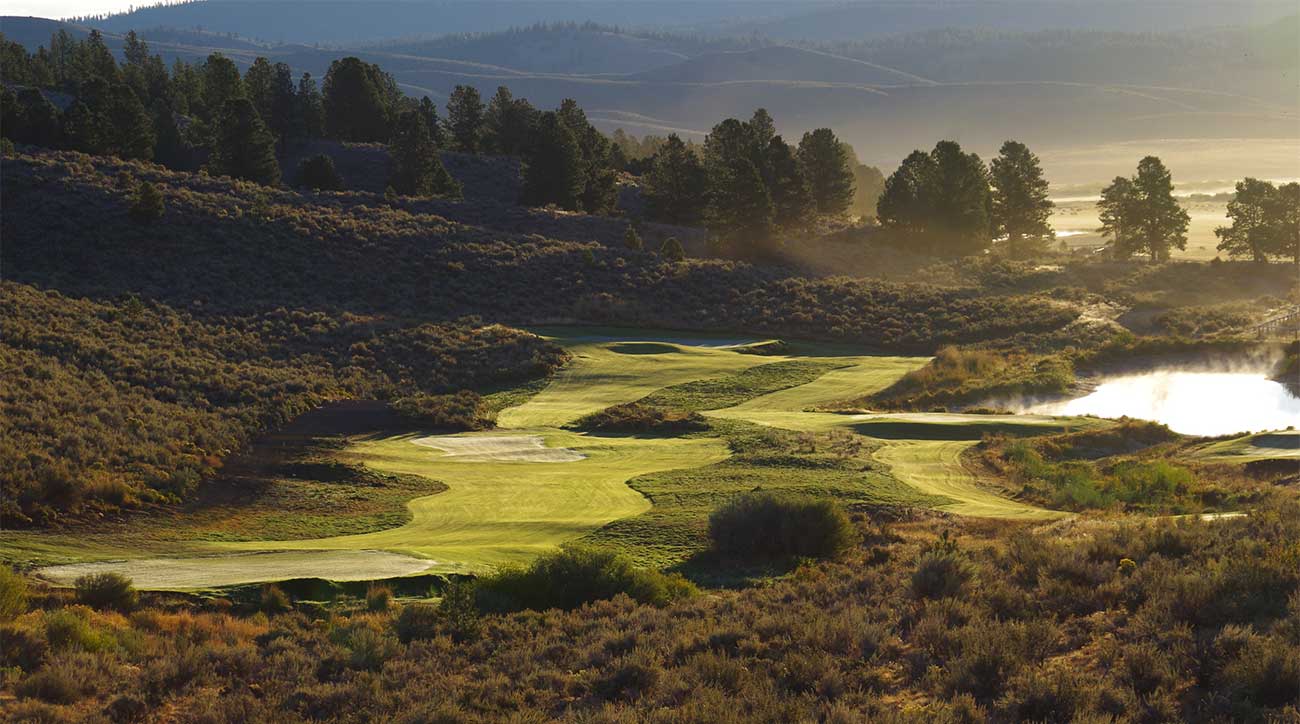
[(501, 449), (229, 570)]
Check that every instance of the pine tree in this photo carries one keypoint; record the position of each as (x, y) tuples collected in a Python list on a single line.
[(465, 118), (243, 146), (309, 109), (430, 113), (906, 205), (83, 129), (508, 123), (1160, 224), (553, 172), (147, 206), (417, 168), (1117, 212), (827, 171), (1021, 208), (1252, 233), (258, 86), (38, 120), (961, 201), (129, 126), (318, 172), (792, 202), (360, 101), (220, 83), (675, 185), (170, 148), (739, 206), (1285, 213)]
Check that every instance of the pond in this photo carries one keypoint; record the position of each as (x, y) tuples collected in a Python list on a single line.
[(1189, 402)]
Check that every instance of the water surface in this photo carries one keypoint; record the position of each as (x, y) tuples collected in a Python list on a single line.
[(1192, 403)]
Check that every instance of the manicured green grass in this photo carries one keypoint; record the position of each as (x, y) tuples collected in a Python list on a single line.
[(1280, 445), (739, 387), (498, 512), (647, 496)]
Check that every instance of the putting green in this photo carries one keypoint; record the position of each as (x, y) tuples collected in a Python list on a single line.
[(1281, 445)]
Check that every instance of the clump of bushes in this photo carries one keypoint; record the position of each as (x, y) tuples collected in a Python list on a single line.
[(13, 594), (147, 204), (637, 417), (573, 576), (942, 571), (770, 525), (107, 590), (464, 410), (318, 172), (958, 375)]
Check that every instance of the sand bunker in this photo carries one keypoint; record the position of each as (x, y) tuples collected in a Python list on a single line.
[(229, 570), (504, 448)]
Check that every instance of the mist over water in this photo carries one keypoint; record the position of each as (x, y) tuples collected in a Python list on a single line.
[(1189, 402)]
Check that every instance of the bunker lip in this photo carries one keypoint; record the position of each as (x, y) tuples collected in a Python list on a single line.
[(499, 448), (239, 568)]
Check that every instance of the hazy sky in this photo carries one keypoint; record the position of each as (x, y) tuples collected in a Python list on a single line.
[(65, 8)]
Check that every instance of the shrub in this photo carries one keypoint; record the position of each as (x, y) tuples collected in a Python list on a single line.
[(766, 524), (54, 684), (458, 609), (147, 205), (672, 250), (941, 574), (1266, 674), (318, 172), (379, 598), (274, 600), (636, 417), (463, 410), (417, 622), (631, 239), (67, 628), (573, 576), (13, 594), (106, 590)]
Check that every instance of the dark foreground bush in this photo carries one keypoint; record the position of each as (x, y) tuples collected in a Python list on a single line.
[(574, 576), (463, 410), (765, 524), (106, 590), (637, 417), (318, 172)]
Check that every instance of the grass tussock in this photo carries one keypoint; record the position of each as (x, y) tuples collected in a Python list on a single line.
[(958, 376), (638, 417)]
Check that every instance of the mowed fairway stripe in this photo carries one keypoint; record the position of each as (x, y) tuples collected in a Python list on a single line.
[(934, 466), (498, 512), (599, 377)]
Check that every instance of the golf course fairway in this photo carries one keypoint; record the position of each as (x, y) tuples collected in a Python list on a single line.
[(532, 484)]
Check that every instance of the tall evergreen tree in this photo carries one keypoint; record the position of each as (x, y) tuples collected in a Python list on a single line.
[(675, 186), (906, 203), (1020, 205), (360, 100), (83, 129), (792, 202), (508, 123), (600, 181), (465, 118), (430, 113), (553, 173), (1118, 214), (1253, 232), (740, 207), (309, 109), (170, 148), (243, 146), (38, 120), (962, 201), (827, 170), (940, 201), (1285, 213), (1161, 224), (283, 102), (129, 126), (258, 84), (417, 168), (220, 83)]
